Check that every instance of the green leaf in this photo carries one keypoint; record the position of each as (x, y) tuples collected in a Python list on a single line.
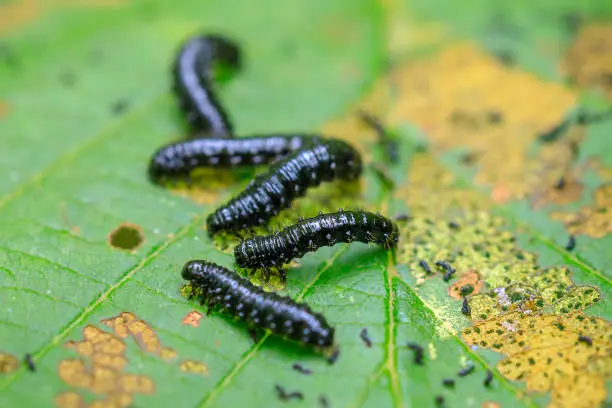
[(85, 100)]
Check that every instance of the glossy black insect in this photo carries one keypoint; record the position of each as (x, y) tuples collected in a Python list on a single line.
[(300, 369), (571, 243), (419, 353), (310, 234), (425, 266), (466, 370), (586, 339), (488, 378), (192, 72), (465, 307), (181, 158), (279, 314), (283, 395), (365, 337), (29, 361), (448, 382), (269, 193)]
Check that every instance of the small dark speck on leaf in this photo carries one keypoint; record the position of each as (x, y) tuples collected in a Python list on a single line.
[(448, 382), (323, 401), (402, 217), (126, 236), (418, 353), (425, 266), (571, 243), (453, 225), (365, 337), (466, 370), (67, 78), (120, 106), (585, 339), (488, 378), (439, 401), (283, 395), (29, 362), (334, 356), (300, 368), (560, 184), (466, 290), (465, 307)]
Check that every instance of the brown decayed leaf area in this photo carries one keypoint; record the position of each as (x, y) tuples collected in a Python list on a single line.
[(465, 98), (102, 370), (589, 60), (594, 220), (8, 363), (545, 351), (192, 318), (517, 295), (19, 13)]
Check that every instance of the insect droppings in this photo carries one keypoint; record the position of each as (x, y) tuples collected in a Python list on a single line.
[(119, 106), (401, 217), (286, 180), (334, 356), (29, 362), (301, 369), (313, 233), (448, 382), (453, 225), (488, 378), (425, 267), (585, 339), (418, 354), (571, 243), (439, 400), (465, 307), (283, 395), (560, 184), (219, 287), (365, 337), (448, 268), (192, 72), (323, 401), (466, 370)]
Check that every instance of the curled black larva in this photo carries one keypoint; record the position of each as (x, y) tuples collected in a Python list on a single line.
[(181, 158), (269, 193), (310, 234), (193, 79), (283, 316)]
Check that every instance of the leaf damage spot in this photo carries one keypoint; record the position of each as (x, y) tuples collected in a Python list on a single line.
[(126, 236), (594, 220), (465, 98), (589, 60), (205, 185), (545, 351), (127, 324), (516, 291), (102, 371), (192, 318), (467, 284), (194, 367), (8, 363)]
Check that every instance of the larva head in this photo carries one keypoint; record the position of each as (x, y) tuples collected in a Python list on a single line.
[(195, 270), (389, 232), (348, 160), (166, 163), (325, 338)]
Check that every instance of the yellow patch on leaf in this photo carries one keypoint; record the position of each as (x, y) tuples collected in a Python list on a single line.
[(594, 220)]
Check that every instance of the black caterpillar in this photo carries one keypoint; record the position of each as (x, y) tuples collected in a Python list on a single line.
[(310, 234), (193, 78), (181, 158), (269, 193), (249, 303)]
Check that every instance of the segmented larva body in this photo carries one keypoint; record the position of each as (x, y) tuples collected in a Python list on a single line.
[(269, 193), (181, 158), (313, 233), (281, 315), (192, 82)]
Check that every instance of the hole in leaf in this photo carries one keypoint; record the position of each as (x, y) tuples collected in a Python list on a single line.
[(126, 236)]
